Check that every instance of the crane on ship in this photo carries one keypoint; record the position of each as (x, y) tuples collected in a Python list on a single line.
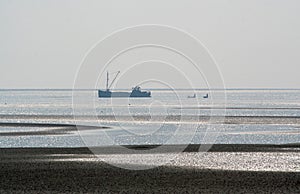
[(107, 79)]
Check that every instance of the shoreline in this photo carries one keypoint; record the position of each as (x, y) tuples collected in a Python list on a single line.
[(293, 147)]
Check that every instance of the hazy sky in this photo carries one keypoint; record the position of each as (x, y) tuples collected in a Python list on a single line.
[(255, 42)]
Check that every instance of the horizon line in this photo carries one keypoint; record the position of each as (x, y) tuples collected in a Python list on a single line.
[(70, 89)]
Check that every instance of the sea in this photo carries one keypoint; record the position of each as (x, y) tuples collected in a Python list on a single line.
[(67, 118)]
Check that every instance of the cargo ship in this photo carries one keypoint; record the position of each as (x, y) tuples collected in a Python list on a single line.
[(135, 93)]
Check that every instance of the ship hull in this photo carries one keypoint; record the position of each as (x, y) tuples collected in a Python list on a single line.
[(109, 94)]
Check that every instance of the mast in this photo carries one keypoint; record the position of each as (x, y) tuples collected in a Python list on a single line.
[(107, 80)]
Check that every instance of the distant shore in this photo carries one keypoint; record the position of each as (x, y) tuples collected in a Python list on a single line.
[(75, 170)]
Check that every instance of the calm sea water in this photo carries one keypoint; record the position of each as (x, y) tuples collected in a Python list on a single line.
[(254, 116)]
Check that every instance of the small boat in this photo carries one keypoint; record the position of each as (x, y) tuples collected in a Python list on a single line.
[(135, 93), (206, 96), (194, 96)]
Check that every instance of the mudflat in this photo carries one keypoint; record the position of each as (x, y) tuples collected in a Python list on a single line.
[(225, 168)]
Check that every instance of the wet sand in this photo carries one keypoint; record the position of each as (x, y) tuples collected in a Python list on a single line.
[(46, 129), (52, 119), (61, 170)]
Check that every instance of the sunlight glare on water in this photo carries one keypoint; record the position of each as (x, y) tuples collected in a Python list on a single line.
[(254, 116)]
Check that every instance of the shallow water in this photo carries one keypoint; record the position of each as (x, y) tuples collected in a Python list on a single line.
[(252, 116)]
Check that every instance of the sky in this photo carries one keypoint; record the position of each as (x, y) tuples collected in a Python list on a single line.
[(255, 43)]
